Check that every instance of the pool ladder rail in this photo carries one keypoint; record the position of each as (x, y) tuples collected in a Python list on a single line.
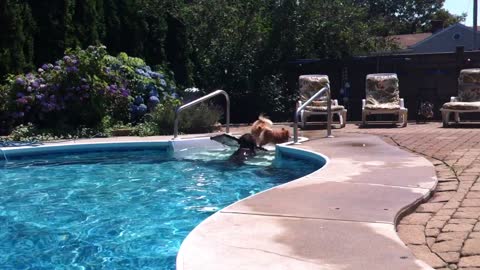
[(199, 100), (324, 91)]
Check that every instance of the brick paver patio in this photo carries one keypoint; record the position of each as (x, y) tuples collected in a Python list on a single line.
[(445, 230)]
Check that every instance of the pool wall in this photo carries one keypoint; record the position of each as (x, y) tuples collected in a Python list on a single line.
[(177, 148)]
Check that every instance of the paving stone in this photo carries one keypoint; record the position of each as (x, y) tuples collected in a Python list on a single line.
[(440, 218), (441, 197), (475, 187), (452, 236), (471, 202), (432, 232), (416, 219), (423, 253), (445, 212), (471, 261), (462, 221), (469, 209), (430, 241), (474, 235), (448, 246), (473, 195), (469, 215), (471, 247), (457, 228), (436, 224), (412, 234), (447, 187), (452, 205), (429, 207), (459, 195), (467, 178), (477, 228), (449, 257)]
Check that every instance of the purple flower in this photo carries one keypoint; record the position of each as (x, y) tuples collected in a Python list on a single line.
[(20, 81), (57, 68), (163, 83), (35, 84), (138, 100), (142, 109), (124, 92), (72, 69), (20, 94), (154, 100), (22, 101), (40, 70)]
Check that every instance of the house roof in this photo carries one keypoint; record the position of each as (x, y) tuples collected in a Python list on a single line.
[(406, 41)]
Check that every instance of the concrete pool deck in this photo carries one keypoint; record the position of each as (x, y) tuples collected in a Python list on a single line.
[(340, 217)]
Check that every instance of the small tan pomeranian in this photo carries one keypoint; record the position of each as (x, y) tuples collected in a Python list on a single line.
[(263, 131)]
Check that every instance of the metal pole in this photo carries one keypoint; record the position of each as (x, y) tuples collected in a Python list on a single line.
[(295, 124), (329, 112), (175, 124), (475, 10), (227, 98)]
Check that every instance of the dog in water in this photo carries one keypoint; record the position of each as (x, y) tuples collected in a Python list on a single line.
[(263, 132), (246, 149)]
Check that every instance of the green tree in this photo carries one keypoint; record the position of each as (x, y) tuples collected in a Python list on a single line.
[(402, 16), (16, 42)]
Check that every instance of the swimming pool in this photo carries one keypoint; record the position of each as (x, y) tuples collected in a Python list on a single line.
[(127, 209)]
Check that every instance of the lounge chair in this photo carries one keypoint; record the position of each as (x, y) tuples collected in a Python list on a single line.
[(311, 84), (382, 97), (468, 99)]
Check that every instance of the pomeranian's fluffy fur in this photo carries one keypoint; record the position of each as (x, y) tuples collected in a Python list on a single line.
[(264, 133)]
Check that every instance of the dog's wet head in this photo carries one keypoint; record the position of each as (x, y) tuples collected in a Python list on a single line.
[(247, 141)]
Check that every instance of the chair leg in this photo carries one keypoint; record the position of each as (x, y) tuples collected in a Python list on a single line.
[(404, 118), (457, 117), (303, 118), (343, 118), (364, 118), (445, 116)]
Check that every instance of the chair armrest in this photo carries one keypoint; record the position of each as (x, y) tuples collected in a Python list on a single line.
[(454, 99), (363, 103), (402, 103), (334, 102)]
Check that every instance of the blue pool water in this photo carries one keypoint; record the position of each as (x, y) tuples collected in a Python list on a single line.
[(120, 210)]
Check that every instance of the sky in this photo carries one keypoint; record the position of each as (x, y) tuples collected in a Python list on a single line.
[(460, 6)]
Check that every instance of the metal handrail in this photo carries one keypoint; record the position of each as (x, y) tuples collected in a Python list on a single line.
[(198, 100), (298, 110)]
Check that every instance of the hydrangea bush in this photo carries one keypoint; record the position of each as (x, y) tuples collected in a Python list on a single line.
[(82, 89)]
